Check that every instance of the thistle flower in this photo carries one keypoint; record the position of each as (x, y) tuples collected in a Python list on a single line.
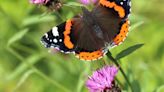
[(50, 4), (102, 80), (39, 1), (53, 50), (87, 2)]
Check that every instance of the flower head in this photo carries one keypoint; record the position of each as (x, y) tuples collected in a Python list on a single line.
[(102, 80), (87, 2), (50, 4), (39, 1), (53, 50)]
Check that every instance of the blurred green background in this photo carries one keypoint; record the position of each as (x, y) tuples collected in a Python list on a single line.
[(26, 66)]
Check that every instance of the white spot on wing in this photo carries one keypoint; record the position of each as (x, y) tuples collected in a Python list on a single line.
[(121, 3), (46, 35), (130, 3), (55, 40), (60, 40), (55, 31)]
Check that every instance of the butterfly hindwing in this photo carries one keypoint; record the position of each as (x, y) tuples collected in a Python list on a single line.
[(121, 36), (108, 21), (90, 56), (122, 7)]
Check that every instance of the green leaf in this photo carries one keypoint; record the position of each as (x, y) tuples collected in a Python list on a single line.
[(17, 36), (136, 25), (160, 89), (136, 18), (37, 19), (81, 81), (31, 60), (128, 51), (23, 79), (74, 4), (136, 86)]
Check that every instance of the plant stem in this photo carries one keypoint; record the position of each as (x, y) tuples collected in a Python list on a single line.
[(39, 72), (60, 16), (51, 81), (120, 84), (109, 55)]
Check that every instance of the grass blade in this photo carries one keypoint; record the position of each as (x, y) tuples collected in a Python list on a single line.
[(17, 36), (128, 51)]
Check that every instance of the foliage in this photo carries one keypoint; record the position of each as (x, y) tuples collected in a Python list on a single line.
[(26, 66)]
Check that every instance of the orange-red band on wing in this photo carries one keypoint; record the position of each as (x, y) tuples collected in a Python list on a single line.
[(123, 33), (116, 7), (90, 56), (67, 39)]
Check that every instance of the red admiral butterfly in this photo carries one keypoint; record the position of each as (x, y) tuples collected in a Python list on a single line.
[(89, 35)]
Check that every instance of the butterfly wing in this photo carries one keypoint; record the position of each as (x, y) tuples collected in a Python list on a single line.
[(108, 20), (60, 37), (122, 7), (86, 36), (111, 13), (90, 41), (111, 17)]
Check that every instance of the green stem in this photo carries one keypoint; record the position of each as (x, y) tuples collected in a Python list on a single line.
[(51, 81), (60, 16), (24, 48), (38, 72), (109, 55), (81, 81), (8, 18), (120, 84)]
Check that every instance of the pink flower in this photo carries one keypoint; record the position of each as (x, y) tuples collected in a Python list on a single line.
[(102, 80), (53, 50), (50, 4), (39, 1), (87, 2)]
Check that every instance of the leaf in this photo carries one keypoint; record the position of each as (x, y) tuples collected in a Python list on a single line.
[(160, 89), (135, 18), (23, 79), (81, 81), (74, 4), (136, 86), (37, 19), (136, 25), (128, 51), (31, 60), (17, 36)]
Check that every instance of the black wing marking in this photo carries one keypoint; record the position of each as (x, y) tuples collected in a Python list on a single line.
[(126, 4)]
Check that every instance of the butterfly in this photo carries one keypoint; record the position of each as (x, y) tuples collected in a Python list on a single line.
[(90, 34)]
